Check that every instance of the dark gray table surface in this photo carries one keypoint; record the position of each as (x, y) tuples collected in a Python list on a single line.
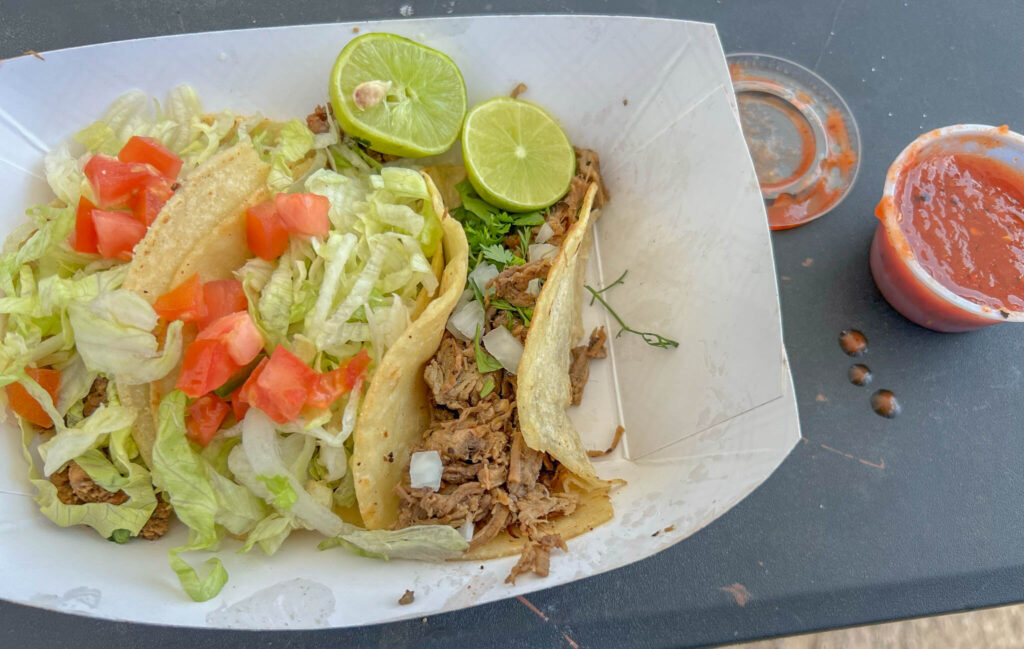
[(931, 521)]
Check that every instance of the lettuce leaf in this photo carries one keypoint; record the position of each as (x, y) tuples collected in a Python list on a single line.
[(284, 496), (179, 471), (112, 333), (92, 432), (105, 518), (269, 533), (421, 542)]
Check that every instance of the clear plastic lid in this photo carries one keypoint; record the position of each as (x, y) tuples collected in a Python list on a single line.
[(801, 135)]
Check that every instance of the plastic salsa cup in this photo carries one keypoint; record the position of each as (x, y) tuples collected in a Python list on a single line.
[(904, 282)]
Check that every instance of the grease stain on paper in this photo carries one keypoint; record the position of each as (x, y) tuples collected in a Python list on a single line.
[(296, 603)]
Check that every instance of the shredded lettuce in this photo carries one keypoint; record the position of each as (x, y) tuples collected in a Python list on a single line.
[(269, 533), (292, 141), (281, 489), (90, 433)]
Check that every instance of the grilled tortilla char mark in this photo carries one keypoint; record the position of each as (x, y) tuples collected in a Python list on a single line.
[(490, 477)]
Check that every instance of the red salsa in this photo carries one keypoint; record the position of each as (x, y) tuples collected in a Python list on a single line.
[(963, 217)]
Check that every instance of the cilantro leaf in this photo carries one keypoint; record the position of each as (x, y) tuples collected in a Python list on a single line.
[(529, 218), (524, 313), (501, 255), (484, 362)]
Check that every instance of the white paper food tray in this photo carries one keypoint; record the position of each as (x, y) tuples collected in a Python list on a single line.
[(706, 423)]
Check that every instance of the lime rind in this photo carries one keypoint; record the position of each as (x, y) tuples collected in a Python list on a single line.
[(517, 156), (423, 110)]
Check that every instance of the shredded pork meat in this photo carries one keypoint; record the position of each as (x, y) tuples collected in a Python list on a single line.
[(490, 476), (452, 375), (579, 367), (511, 283)]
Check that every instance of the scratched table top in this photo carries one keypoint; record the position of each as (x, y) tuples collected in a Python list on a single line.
[(868, 519)]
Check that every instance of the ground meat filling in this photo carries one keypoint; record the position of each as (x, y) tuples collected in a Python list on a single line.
[(75, 487), (317, 120), (97, 396), (490, 477)]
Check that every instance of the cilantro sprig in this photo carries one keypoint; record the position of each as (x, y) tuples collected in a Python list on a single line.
[(487, 226), (524, 313), (649, 337)]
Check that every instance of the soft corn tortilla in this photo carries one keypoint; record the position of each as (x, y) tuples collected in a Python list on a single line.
[(396, 408), (200, 229), (392, 424)]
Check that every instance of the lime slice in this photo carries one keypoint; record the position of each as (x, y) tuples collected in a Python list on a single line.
[(517, 156), (401, 97)]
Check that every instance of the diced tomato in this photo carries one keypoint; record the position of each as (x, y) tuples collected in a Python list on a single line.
[(223, 297), (116, 233), (247, 393), (25, 405), (329, 386), (304, 213), (239, 335), (149, 199), (207, 366), (114, 181), (152, 152), (280, 386), (265, 232), (238, 406), (205, 417), (83, 239), (183, 302)]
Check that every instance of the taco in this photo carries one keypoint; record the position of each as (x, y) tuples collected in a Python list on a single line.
[(275, 269), (491, 450)]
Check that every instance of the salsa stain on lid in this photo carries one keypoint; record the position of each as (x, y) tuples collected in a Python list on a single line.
[(802, 137)]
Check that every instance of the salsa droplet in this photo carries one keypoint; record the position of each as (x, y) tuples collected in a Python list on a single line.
[(859, 374), (853, 342), (885, 404)]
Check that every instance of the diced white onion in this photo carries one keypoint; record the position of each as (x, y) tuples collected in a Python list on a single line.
[(425, 470), (467, 318), (482, 274), (544, 232), (467, 530), (542, 251), (533, 286), (504, 347)]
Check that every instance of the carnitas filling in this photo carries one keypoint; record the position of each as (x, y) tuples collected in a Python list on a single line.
[(491, 479)]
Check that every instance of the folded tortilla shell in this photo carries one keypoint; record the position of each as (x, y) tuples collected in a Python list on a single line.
[(396, 408), (200, 229)]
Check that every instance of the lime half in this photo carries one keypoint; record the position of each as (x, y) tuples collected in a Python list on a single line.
[(401, 97), (517, 156)]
